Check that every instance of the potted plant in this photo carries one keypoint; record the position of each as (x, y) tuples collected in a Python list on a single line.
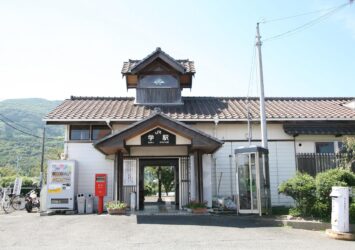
[(197, 207), (116, 207)]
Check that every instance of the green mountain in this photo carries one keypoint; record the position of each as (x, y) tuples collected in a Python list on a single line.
[(23, 150)]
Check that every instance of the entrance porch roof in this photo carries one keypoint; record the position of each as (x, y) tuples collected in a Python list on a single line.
[(116, 142)]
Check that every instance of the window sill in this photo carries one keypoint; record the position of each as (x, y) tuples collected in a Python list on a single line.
[(79, 141)]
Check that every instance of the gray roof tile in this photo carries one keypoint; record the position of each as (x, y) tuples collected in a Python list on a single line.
[(204, 108)]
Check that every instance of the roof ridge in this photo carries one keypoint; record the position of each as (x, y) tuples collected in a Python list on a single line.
[(212, 97), (157, 52), (100, 98), (271, 98)]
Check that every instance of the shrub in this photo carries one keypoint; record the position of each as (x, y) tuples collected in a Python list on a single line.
[(320, 210), (7, 181), (295, 212), (324, 183), (28, 181), (302, 189), (196, 204), (352, 212), (116, 205)]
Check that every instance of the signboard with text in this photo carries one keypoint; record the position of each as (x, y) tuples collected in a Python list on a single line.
[(158, 136), (129, 172)]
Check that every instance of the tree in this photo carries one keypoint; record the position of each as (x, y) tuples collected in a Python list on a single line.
[(7, 171), (349, 149), (167, 179)]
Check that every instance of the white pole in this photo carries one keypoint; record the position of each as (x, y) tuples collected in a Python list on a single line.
[(262, 98)]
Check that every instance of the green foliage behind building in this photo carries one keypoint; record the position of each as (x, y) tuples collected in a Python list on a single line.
[(24, 151)]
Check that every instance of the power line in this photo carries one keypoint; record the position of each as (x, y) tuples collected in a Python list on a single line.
[(22, 131), (297, 15), (308, 24), (15, 122)]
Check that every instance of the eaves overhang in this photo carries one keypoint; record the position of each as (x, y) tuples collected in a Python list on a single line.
[(66, 121), (115, 142)]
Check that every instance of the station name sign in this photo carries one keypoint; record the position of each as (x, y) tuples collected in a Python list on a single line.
[(158, 136)]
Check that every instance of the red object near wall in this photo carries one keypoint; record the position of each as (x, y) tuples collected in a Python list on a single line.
[(100, 190)]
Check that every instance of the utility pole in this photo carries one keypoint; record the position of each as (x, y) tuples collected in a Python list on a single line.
[(17, 164), (42, 158), (262, 97)]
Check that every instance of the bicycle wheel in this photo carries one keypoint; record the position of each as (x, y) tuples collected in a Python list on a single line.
[(6, 204), (18, 202), (28, 206)]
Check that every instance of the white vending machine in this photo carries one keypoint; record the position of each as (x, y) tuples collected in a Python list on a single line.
[(61, 184)]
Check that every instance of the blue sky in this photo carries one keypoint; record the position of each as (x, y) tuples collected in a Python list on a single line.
[(54, 49)]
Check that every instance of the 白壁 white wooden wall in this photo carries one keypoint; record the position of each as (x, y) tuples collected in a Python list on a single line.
[(91, 162)]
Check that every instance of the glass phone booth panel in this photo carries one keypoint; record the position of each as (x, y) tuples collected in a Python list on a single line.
[(252, 180)]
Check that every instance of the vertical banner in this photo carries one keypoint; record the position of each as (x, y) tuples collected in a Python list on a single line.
[(17, 186), (129, 172)]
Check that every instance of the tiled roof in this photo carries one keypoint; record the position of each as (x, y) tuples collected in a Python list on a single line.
[(188, 65), (204, 108)]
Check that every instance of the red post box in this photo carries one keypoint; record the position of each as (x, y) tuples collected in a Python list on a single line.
[(100, 190)]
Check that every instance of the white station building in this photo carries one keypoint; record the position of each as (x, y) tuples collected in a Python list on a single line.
[(197, 136)]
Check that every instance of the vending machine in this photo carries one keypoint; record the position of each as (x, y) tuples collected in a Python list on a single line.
[(61, 184)]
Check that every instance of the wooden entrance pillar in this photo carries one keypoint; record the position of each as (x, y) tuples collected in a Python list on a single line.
[(119, 165), (198, 165)]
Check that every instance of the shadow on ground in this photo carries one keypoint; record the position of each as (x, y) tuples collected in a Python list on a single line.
[(208, 220)]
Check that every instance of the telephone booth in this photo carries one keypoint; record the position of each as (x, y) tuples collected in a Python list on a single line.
[(253, 183)]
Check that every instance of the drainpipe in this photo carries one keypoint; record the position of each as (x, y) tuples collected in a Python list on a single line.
[(216, 121), (231, 170), (108, 121)]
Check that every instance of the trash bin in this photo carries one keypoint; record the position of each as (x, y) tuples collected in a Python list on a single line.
[(89, 204), (340, 209), (81, 203)]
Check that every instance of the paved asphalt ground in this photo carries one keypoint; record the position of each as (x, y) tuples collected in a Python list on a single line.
[(20, 230)]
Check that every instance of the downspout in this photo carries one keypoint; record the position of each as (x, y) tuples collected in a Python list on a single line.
[(108, 121), (231, 170), (294, 148), (217, 182)]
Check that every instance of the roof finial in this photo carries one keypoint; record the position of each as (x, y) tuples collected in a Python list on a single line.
[(158, 49), (157, 110)]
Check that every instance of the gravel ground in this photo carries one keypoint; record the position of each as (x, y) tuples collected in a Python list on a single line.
[(20, 230)]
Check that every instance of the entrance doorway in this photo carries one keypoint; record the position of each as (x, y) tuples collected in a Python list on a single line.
[(159, 183)]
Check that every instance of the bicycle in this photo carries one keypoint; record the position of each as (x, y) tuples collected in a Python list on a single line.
[(18, 202)]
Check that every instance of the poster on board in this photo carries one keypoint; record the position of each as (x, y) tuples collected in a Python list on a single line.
[(129, 172)]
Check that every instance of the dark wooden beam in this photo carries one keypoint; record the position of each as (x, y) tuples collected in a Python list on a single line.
[(119, 160), (198, 165)]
